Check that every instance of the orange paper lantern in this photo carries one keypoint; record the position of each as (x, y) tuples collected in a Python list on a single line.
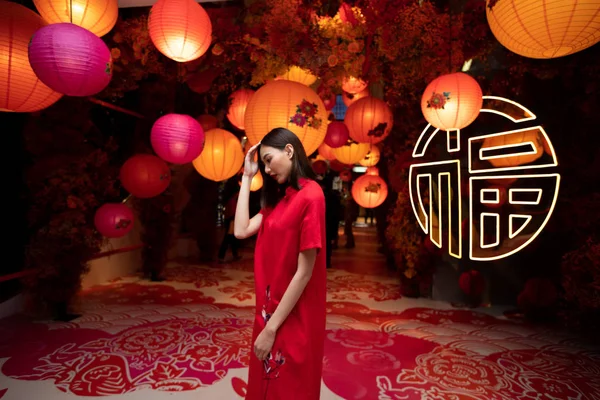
[(97, 16), (369, 120), (300, 75), (545, 29), (238, 101), (369, 191), (351, 152), (20, 88), (372, 157), (180, 29), (290, 105), (326, 152), (452, 101), (533, 136), (372, 171), (350, 98), (353, 85), (257, 182), (222, 156)]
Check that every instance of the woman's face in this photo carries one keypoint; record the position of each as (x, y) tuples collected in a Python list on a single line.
[(278, 163)]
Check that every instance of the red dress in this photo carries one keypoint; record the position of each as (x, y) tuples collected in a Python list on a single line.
[(293, 368)]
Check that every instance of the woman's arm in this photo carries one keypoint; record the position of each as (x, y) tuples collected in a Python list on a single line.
[(243, 226)]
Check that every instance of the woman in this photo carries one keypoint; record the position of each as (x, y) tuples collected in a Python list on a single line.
[(289, 269)]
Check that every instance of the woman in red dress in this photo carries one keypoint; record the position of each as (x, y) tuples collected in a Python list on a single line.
[(289, 270)]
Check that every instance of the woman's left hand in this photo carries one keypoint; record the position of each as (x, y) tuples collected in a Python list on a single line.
[(264, 343)]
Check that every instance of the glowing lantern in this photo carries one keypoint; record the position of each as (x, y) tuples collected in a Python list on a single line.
[(177, 138), (326, 152), (353, 85), (222, 156), (452, 101), (180, 29), (350, 98), (70, 59), (337, 166), (113, 220), (97, 16), (369, 120), (145, 176), (208, 122), (320, 167), (300, 75), (531, 137), (346, 175), (329, 102), (257, 182), (369, 191), (351, 152), (372, 157), (287, 104), (337, 134), (20, 89), (545, 29), (238, 101), (372, 171)]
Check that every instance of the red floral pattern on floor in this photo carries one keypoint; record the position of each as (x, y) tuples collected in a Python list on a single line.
[(347, 287)]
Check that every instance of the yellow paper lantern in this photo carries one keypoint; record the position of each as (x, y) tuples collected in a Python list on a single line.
[(180, 29), (300, 75), (369, 120), (238, 101), (369, 191), (326, 152), (372, 157), (257, 182), (545, 29), (353, 85), (372, 171), (351, 152), (20, 88), (533, 136), (97, 16), (222, 156), (350, 98), (452, 101), (290, 105)]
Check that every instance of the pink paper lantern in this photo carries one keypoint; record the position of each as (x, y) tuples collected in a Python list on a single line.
[(177, 138), (145, 176), (114, 220), (70, 59), (337, 134)]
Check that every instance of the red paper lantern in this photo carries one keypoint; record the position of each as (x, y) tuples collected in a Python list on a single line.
[(20, 89), (180, 29), (208, 122), (320, 167), (337, 166), (70, 59), (346, 175), (372, 171), (369, 120), (145, 176), (337, 134), (113, 220), (177, 138), (238, 101), (369, 191)]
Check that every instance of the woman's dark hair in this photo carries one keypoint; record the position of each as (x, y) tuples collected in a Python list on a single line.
[(272, 191)]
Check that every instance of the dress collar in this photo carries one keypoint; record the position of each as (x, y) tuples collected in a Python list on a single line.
[(290, 190)]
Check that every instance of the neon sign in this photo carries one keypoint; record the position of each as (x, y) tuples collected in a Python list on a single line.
[(512, 183)]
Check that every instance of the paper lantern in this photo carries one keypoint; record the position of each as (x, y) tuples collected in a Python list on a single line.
[(545, 29), (372, 171), (346, 175), (238, 101), (300, 75), (337, 166), (326, 152), (97, 16), (350, 98), (369, 191), (180, 29), (290, 105), (177, 138), (351, 152), (70, 59), (372, 157), (328, 102), (337, 134), (257, 182), (20, 89), (113, 220), (222, 156), (452, 101), (369, 120), (532, 137), (320, 167), (208, 122), (353, 85), (145, 176)]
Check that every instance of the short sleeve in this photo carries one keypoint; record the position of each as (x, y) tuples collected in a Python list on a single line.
[(312, 225)]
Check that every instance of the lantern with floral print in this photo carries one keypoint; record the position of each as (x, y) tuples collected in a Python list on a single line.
[(145, 176), (369, 191), (372, 157), (369, 120), (113, 220), (177, 138), (337, 134), (222, 156), (238, 101)]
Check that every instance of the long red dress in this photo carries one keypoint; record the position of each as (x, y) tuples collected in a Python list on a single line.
[(293, 368)]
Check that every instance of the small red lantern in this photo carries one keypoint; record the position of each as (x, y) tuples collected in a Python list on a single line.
[(208, 122), (320, 167), (369, 191), (177, 138), (372, 171), (337, 134), (113, 220), (145, 176), (346, 175)]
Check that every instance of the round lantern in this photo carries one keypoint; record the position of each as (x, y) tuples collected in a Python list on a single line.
[(145, 176), (257, 182), (20, 89), (180, 29), (369, 120), (329, 102), (533, 137), (452, 101), (113, 220), (337, 166), (177, 138), (346, 175), (222, 156), (350, 98), (238, 101), (300, 75), (320, 167), (545, 29), (208, 122), (372, 157), (337, 134), (98, 16), (351, 152), (369, 191), (353, 85), (290, 105), (70, 59), (326, 152), (372, 171)]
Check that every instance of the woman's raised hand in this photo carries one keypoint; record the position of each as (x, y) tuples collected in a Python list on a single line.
[(250, 165)]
